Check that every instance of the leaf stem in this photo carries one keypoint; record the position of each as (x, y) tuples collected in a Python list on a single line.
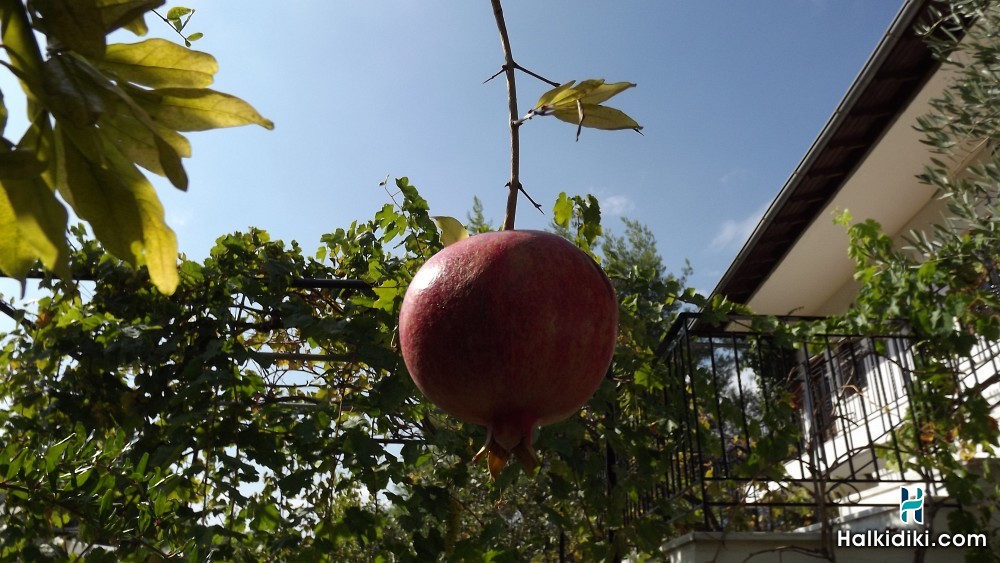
[(509, 68)]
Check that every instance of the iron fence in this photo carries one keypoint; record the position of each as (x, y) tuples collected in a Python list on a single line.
[(774, 433)]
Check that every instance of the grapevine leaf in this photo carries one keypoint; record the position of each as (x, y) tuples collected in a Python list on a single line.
[(451, 229), (562, 211)]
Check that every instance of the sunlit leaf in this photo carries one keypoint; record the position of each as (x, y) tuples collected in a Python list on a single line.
[(178, 12), (554, 94), (603, 92), (16, 255), (137, 141), (171, 163), (186, 109), (562, 211), (597, 117), (580, 104), (120, 205), (451, 229), (159, 63), (32, 227)]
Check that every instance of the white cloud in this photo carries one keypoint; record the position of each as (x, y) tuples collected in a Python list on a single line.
[(734, 232), (617, 205)]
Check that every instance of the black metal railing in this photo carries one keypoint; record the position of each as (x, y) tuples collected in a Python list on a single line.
[(775, 433)]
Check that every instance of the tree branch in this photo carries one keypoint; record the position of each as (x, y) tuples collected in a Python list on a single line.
[(515, 150)]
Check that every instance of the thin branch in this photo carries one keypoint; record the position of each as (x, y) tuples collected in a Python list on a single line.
[(515, 150), (526, 71), (538, 76), (17, 315), (537, 205)]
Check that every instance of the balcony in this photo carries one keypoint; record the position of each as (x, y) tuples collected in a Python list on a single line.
[(773, 434)]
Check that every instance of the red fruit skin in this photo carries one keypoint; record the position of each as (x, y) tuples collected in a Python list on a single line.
[(510, 329)]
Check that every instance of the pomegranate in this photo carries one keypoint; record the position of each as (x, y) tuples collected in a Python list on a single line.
[(511, 330)]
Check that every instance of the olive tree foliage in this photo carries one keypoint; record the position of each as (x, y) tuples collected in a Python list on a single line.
[(99, 114), (944, 285), (248, 417)]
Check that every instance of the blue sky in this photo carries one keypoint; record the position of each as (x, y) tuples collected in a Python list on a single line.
[(730, 93)]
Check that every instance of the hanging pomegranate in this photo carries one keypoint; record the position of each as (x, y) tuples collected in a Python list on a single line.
[(511, 330)]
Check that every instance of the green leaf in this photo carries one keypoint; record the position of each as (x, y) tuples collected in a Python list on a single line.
[(15, 465), (597, 117), (195, 36), (603, 92), (562, 211), (3, 115), (451, 229), (20, 164), (266, 519), (70, 93), (178, 12), (552, 96), (120, 205), (54, 453), (145, 145), (137, 26), (159, 63), (32, 221), (75, 23), (171, 162), (186, 109), (32, 227), (126, 13), (593, 91), (580, 104)]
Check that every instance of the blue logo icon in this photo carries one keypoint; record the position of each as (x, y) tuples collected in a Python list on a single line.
[(911, 505)]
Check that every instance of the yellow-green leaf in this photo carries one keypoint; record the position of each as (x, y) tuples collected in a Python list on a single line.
[(554, 94), (171, 162), (598, 117), (562, 211), (451, 229), (138, 141), (120, 205), (186, 109), (32, 227), (16, 255), (159, 63), (603, 92)]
